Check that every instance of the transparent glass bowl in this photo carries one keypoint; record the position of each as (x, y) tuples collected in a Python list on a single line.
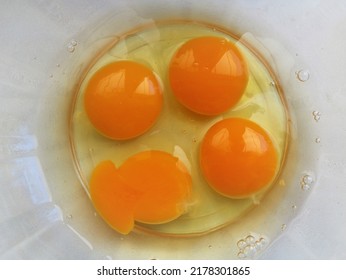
[(46, 212)]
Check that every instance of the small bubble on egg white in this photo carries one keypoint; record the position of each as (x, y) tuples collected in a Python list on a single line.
[(249, 251), (258, 245), (303, 75), (272, 83), (306, 182), (241, 244), (316, 115), (250, 239), (263, 241), (307, 179), (70, 48)]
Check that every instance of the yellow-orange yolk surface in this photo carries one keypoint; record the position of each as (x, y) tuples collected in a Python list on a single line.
[(123, 99), (208, 75), (238, 158), (149, 187)]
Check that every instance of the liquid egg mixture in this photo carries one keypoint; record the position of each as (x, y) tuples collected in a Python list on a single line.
[(178, 129)]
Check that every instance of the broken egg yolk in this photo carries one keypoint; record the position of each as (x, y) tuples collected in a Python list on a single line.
[(238, 158), (123, 100), (208, 75), (150, 187)]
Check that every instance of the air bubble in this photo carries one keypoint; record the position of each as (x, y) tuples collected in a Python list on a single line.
[(283, 227), (272, 83), (70, 48), (58, 65), (250, 246), (250, 239), (249, 250), (294, 207), (306, 182), (241, 255), (262, 241), (241, 244), (258, 245), (303, 75), (316, 115), (318, 140), (307, 179), (69, 216)]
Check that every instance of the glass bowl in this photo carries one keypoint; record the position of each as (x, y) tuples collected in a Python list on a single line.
[(47, 214)]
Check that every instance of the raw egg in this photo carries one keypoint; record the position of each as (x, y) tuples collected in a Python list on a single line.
[(123, 99), (208, 75), (163, 180), (149, 187), (238, 158)]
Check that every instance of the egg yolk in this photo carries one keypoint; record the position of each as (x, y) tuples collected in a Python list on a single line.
[(149, 187), (208, 75), (123, 99), (238, 158)]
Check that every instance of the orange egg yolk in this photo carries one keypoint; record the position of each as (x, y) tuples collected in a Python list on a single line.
[(238, 158), (123, 99), (208, 75), (150, 187)]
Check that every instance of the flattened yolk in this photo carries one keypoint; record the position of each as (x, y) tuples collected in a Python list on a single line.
[(149, 187), (238, 158), (123, 100), (165, 181), (208, 75), (112, 197)]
